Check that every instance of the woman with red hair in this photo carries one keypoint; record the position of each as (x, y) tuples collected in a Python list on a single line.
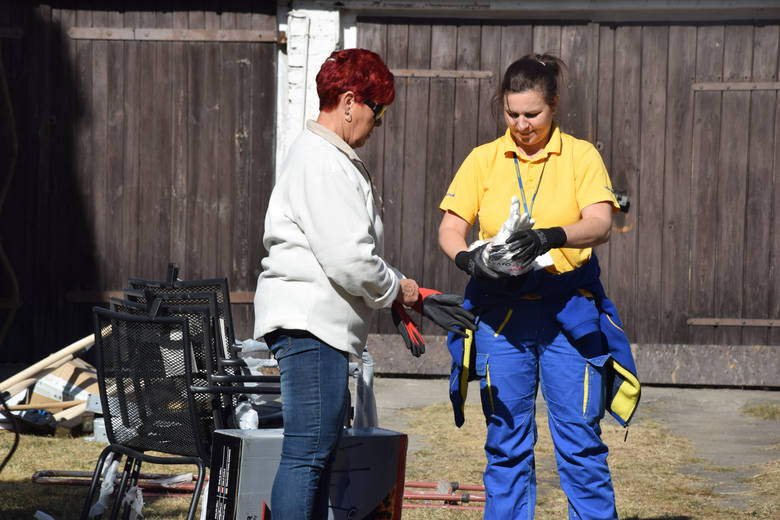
[(324, 274)]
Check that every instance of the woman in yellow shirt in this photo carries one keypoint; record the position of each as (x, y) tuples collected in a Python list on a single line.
[(541, 328)]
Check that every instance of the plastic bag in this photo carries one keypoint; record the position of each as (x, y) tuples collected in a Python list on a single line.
[(515, 222)]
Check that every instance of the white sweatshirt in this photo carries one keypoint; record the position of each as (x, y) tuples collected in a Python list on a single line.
[(324, 272)]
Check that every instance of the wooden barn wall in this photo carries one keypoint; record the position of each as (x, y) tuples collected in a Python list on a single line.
[(131, 154), (702, 236)]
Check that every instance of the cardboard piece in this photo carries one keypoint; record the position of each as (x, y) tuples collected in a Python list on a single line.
[(73, 381)]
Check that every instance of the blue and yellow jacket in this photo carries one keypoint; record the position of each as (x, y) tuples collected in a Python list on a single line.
[(572, 295)]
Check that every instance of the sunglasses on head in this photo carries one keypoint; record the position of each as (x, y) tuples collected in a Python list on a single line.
[(378, 110)]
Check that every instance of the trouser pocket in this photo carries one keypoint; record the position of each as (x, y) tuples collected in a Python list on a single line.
[(482, 369)]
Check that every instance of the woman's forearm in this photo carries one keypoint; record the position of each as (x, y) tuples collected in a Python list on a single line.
[(593, 229), (452, 234)]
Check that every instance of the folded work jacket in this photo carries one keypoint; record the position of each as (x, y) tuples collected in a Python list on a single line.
[(572, 296)]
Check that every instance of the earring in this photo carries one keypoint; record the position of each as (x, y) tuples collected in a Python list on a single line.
[(348, 117)]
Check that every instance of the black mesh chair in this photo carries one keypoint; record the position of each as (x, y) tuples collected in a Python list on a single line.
[(230, 377), (145, 378), (228, 355)]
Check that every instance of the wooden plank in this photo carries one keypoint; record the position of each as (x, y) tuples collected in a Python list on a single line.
[(154, 156), (489, 121), (737, 84), (605, 73), (625, 172), (415, 153), (179, 141), (205, 106), (226, 149), (732, 181), (393, 129), (84, 232), (116, 246), (132, 139), (591, 80), (98, 102), (734, 322), (465, 124), (547, 39), (651, 183), (774, 232), (756, 290), (706, 149), (373, 36), (675, 244), (261, 160), (20, 121), (60, 218), (444, 73), (161, 34), (572, 114), (435, 271), (262, 148), (240, 271)]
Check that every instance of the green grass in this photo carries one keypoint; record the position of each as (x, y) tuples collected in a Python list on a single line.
[(765, 411), (651, 473)]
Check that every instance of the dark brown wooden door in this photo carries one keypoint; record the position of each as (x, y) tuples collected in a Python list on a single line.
[(698, 162), (132, 154)]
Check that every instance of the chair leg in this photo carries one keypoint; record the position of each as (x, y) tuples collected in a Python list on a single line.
[(198, 489), (131, 484), (93, 485), (119, 492)]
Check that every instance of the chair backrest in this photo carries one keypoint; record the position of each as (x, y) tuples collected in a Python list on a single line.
[(199, 315), (219, 286), (200, 311), (144, 374)]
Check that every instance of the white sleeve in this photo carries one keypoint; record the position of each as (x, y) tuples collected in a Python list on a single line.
[(330, 209)]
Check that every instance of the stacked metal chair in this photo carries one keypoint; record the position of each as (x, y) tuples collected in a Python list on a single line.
[(227, 373), (145, 376), (170, 374)]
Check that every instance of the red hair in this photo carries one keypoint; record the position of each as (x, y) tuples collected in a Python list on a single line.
[(359, 70)]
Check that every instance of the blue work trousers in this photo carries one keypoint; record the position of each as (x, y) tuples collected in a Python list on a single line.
[(315, 398), (519, 348)]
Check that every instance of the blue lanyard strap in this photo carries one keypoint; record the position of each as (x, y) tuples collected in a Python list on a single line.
[(522, 191)]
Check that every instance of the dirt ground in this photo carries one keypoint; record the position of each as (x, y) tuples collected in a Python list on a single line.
[(727, 440)]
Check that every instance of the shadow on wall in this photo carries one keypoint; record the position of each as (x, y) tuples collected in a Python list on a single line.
[(45, 232)]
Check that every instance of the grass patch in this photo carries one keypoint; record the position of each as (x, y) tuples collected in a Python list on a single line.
[(20, 497), (648, 470), (649, 473), (765, 411)]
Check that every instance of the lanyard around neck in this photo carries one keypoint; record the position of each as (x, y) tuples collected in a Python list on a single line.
[(522, 191)]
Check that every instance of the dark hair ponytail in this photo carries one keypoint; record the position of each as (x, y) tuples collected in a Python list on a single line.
[(543, 72)]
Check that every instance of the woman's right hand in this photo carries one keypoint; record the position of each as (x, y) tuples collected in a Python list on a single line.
[(408, 292)]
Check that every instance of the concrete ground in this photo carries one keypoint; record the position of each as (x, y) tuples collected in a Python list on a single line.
[(726, 440)]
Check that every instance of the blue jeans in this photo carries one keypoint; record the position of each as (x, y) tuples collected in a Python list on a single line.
[(517, 352), (315, 399)]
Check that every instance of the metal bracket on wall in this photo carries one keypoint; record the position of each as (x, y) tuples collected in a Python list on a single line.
[(442, 73), (176, 35), (734, 322), (736, 85)]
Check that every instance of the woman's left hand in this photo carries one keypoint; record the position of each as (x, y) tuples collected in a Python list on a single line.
[(408, 292)]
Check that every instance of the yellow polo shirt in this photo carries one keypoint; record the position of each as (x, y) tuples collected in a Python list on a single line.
[(572, 175)]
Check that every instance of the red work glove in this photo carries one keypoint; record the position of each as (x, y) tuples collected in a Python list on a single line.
[(445, 310), (407, 329)]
